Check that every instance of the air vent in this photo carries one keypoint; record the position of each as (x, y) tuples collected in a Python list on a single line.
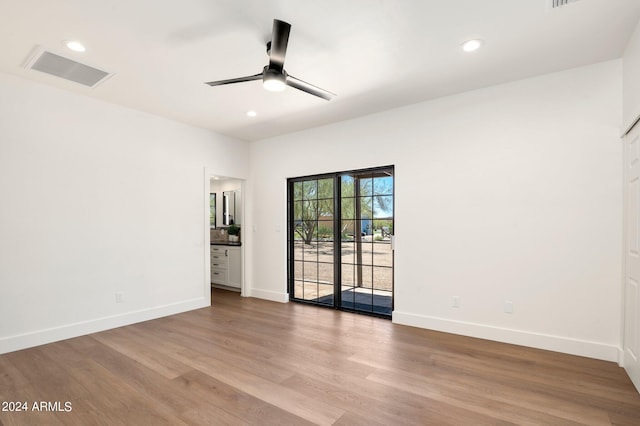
[(560, 3), (68, 69)]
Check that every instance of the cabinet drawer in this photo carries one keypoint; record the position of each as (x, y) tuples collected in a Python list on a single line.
[(218, 265), (218, 276), (218, 250)]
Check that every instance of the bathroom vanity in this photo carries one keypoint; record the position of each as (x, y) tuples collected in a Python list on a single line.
[(226, 265)]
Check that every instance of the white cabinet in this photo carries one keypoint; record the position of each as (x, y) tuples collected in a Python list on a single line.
[(226, 265), (219, 264), (234, 271)]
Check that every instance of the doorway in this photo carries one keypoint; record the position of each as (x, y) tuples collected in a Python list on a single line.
[(225, 246), (340, 240)]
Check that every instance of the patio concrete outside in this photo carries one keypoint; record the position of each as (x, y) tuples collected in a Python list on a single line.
[(313, 268)]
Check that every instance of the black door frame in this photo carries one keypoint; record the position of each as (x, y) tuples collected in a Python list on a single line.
[(337, 237)]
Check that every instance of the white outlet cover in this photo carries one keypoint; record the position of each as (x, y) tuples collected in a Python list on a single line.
[(508, 307)]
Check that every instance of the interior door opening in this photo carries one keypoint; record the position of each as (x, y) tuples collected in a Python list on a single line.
[(340, 240), (225, 251)]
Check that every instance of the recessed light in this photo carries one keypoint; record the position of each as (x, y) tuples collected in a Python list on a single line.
[(76, 46), (251, 113), (471, 45)]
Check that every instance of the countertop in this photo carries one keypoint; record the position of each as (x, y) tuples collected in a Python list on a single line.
[(225, 243)]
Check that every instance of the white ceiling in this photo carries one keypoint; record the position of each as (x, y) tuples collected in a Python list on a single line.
[(375, 54)]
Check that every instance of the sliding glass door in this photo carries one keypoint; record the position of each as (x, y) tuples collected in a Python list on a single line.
[(340, 229)]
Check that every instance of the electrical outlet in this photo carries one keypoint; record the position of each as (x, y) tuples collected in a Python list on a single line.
[(508, 307), (455, 302), (119, 297)]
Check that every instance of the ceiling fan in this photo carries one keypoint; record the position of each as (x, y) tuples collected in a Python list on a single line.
[(273, 75)]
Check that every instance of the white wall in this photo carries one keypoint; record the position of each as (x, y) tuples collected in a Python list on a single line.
[(513, 192), (631, 82), (99, 199)]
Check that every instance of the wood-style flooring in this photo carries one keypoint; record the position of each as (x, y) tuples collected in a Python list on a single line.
[(249, 361)]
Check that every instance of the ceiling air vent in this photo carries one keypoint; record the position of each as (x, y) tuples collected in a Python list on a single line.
[(560, 3), (68, 69)]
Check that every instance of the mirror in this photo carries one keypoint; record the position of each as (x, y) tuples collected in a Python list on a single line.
[(228, 207)]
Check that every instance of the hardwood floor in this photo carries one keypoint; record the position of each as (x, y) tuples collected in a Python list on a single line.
[(249, 361)]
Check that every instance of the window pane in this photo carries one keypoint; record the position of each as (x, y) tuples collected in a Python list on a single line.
[(325, 294), (348, 298), (383, 207), (383, 186), (367, 253), (311, 272), (298, 250), (298, 267), (348, 208), (309, 189), (325, 188), (366, 207), (310, 210), (298, 209), (325, 273), (383, 278), (384, 229), (367, 276), (366, 186), (325, 229), (325, 251), (348, 275), (382, 254), (297, 191), (310, 253), (348, 252), (348, 229), (310, 291), (347, 186), (325, 209)]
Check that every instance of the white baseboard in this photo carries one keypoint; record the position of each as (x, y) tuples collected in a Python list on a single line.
[(41, 337), (516, 337), (274, 296), (621, 357)]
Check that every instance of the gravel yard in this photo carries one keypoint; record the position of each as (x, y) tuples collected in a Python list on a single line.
[(314, 268)]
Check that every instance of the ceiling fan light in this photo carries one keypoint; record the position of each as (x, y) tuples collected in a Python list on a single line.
[(274, 85), (274, 81)]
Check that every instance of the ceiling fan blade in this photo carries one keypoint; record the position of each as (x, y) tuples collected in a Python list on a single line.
[(309, 88), (279, 41), (235, 80)]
